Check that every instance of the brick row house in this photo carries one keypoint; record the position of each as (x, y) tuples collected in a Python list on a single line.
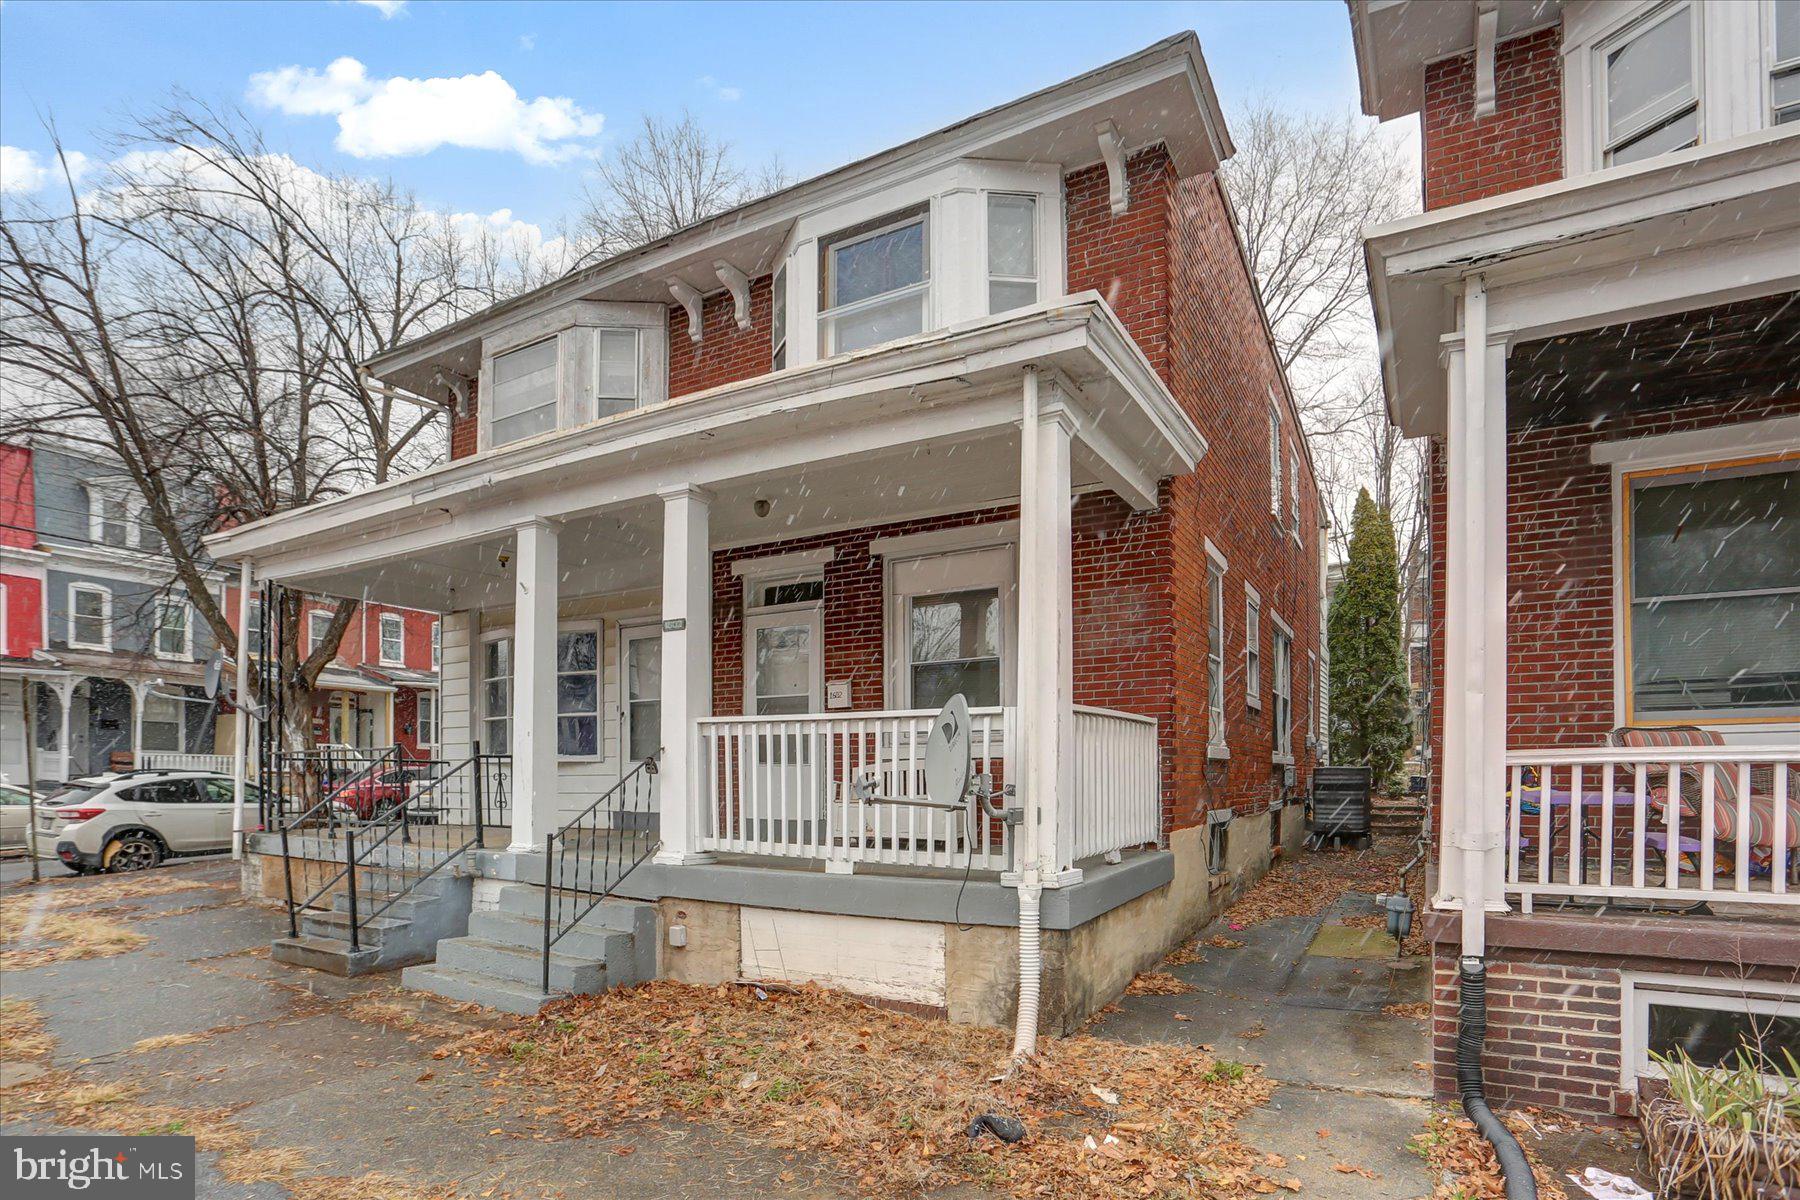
[(117, 654), (994, 413), (1595, 322)]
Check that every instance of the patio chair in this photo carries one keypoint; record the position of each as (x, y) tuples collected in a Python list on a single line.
[(1726, 834)]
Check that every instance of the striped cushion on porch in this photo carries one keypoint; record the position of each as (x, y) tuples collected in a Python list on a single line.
[(1659, 737), (1725, 788)]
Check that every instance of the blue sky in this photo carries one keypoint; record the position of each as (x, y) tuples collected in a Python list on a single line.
[(531, 90)]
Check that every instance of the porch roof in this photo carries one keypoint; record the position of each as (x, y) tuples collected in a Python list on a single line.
[(924, 425), (1694, 229)]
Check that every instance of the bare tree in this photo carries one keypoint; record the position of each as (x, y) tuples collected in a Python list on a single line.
[(200, 316), (672, 173)]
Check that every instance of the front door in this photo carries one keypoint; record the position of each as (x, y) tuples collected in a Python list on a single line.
[(782, 677), (640, 697)]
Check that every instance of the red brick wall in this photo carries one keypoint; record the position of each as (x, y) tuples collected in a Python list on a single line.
[(1554, 1034), (725, 353), (465, 430), (1521, 144)]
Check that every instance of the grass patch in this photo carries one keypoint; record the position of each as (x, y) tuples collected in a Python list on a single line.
[(885, 1098)]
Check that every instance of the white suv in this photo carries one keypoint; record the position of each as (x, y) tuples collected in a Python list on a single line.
[(133, 820)]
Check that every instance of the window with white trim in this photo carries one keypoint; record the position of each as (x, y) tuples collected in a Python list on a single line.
[(1215, 655), (437, 645), (1294, 490), (1252, 648), (1712, 592), (616, 384), (1312, 692), (874, 283), (524, 392), (255, 631), (109, 517), (1649, 94), (392, 643), (778, 320), (90, 617), (1011, 251), (578, 693), (1710, 1021), (1784, 72), (1274, 464), (425, 723), (178, 720), (1282, 688), (496, 695), (318, 627), (173, 630), (952, 620)]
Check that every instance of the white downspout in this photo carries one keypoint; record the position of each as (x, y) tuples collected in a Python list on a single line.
[(1031, 888)]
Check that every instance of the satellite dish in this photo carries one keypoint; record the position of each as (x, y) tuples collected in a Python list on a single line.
[(947, 755), (215, 672)]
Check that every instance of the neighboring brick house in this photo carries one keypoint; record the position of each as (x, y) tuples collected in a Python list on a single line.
[(1594, 323), (996, 413)]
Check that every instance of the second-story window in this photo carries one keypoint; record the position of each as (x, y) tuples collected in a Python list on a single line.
[(393, 639), (1784, 76), (109, 518), (1012, 251), (172, 630), (1283, 690), (778, 321), (615, 371), (873, 283), (524, 392), (318, 623), (1652, 104)]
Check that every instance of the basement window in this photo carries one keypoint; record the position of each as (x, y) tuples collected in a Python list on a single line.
[(1218, 840), (1712, 1022)]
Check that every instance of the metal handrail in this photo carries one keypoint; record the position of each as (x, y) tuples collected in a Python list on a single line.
[(633, 787), (473, 841), (286, 826)]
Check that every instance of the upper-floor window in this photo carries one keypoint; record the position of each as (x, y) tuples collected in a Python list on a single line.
[(1648, 73), (1274, 465), (318, 623), (172, 630), (90, 617), (1012, 251), (109, 518), (1784, 75), (778, 321), (1252, 647), (615, 372), (524, 399), (393, 639), (874, 283), (1282, 688)]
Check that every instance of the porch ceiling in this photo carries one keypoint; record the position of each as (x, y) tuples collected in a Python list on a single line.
[(924, 426)]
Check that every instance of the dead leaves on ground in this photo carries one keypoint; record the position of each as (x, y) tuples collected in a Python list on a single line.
[(36, 936), (1463, 1162), (23, 1037), (1416, 1010), (1306, 885), (1157, 983), (886, 1097)]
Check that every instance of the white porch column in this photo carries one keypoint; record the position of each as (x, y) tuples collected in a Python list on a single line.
[(1046, 635), (535, 579), (1471, 856), (686, 667), (240, 715), (140, 689), (65, 700)]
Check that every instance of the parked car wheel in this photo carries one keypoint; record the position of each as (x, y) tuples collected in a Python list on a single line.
[(133, 852)]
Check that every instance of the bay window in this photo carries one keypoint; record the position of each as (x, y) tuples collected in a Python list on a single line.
[(524, 392), (1011, 251), (778, 321), (1649, 95), (874, 283), (615, 372), (1712, 589)]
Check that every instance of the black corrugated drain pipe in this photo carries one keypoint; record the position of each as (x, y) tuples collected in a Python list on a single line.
[(1470, 1034)]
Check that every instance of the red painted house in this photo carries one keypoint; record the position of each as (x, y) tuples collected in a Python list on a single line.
[(1595, 322), (992, 413)]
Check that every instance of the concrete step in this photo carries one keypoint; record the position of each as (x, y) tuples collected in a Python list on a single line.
[(527, 900), (469, 988), (478, 956), (527, 933), (327, 954), (373, 931)]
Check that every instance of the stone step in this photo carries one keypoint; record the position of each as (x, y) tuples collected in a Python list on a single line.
[(527, 933), (327, 954), (478, 956), (467, 987), (372, 932), (527, 900)]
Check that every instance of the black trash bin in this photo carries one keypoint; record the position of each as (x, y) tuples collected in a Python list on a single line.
[(1340, 804)]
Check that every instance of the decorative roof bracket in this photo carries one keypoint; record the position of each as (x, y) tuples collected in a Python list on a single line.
[(459, 386), (1112, 149), (1487, 27), (739, 285), (689, 299)]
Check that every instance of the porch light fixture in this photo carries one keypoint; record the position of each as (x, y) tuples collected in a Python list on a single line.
[(761, 506)]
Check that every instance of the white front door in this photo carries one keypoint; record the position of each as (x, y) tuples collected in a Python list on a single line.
[(640, 697), (782, 677)]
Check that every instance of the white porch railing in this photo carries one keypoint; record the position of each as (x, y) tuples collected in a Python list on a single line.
[(1117, 799), (783, 786), (170, 760), (1600, 823)]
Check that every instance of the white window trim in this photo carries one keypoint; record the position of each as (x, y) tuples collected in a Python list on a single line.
[(777, 564), (831, 243), (1035, 279), (598, 629), (381, 628), (313, 638), (898, 685), (569, 324), (1772, 65), (941, 541), (478, 670), (1638, 455), (1252, 648), (186, 653), (1680, 9), (437, 714), (106, 617), (1294, 492), (1274, 462), (752, 583), (1641, 989), (1218, 733), (1312, 699), (437, 645), (1276, 755), (779, 281)]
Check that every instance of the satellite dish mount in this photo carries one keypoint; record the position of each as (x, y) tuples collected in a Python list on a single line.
[(950, 782)]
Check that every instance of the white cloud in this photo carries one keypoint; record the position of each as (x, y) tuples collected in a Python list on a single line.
[(380, 118), (389, 9), (528, 41), (22, 171), (725, 92)]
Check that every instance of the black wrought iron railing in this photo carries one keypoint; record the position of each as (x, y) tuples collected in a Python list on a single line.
[(391, 828), (586, 859)]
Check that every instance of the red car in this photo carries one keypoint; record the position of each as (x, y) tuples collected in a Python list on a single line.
[(366, 798)]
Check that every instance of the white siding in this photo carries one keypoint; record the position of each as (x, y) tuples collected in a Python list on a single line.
[(896, 960)]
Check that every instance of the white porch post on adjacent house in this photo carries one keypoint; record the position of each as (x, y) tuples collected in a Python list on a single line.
[(535, 578), (686, 667), (140, 690), (65, 700), (1471, 859), (1046, 633), (240, 715)]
